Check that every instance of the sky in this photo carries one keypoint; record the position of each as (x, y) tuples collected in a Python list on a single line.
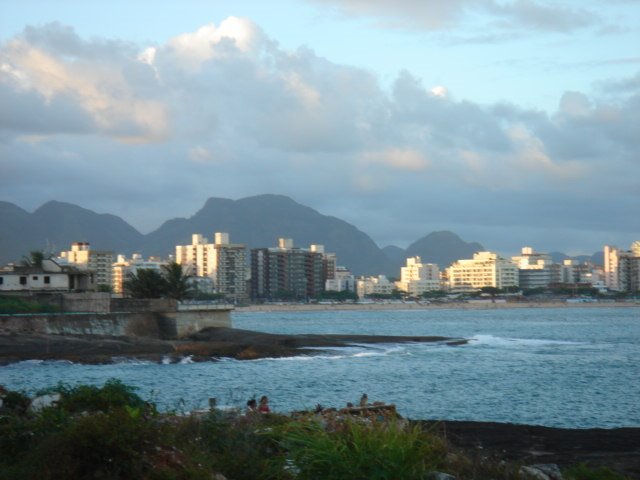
[(508, 122)]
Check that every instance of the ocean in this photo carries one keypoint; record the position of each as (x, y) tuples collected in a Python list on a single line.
[(559, 367)]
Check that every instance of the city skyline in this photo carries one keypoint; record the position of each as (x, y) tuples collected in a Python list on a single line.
[(508, 123)]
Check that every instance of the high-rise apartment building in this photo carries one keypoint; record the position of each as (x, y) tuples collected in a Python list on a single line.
[(287, 272), (222, 261), (622, 268), (99, 261), (486, 269)]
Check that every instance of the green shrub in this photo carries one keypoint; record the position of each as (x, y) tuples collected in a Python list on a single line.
[(360, 451), (13, 305), (113, 394), (242, 447)]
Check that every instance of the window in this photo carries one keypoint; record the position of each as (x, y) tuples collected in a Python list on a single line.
[(1, 280), (47, 280), (35, 277), (23, 280)]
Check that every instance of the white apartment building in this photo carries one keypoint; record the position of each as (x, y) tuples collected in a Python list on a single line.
[(379, 285), (81, 256), (225, 263), (417, 278), (622, 268), (124, 267), (343, 280), (486, 269), (534, 269)]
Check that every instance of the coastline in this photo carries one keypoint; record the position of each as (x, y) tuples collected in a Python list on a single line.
[(615, 448), (314, 307), (207, 345)]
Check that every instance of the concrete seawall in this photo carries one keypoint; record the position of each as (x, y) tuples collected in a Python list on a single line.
[(159, 325)]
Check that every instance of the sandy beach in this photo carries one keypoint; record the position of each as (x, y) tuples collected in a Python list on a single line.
[(305, 307)]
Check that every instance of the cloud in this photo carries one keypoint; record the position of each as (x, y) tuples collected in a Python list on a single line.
[(224, 111), (432, 15), (428, 14), (539, 16), (63, 76)]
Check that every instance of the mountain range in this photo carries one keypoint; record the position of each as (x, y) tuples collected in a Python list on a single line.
[(256, 221)]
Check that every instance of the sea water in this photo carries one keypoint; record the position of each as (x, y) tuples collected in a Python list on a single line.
[(563, 367)]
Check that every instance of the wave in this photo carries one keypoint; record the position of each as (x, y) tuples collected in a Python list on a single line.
[(130, 361), (492, 340), (37, 362), (340, 353)]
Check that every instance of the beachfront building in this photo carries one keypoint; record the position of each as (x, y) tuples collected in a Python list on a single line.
[(372, 286), (286, 272), (81, 256), (534, 269), (48, 277), (485, 269), (222, 261), (123, 267), (329, 261), (622, 268), (342, 281), (417, 278)]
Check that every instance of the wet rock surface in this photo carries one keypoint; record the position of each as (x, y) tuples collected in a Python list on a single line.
[(617, 449), (206, 345)]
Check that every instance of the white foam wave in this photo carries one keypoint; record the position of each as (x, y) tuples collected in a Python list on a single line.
[(492, 340), (130, 361), (186, 360), (340, 353), (37, 362)]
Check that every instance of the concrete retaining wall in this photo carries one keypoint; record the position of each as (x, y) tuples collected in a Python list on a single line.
[(108, 324), (131, 324)]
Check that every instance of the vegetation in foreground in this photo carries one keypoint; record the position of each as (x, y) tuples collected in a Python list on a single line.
[(109, 432), (17, 305)]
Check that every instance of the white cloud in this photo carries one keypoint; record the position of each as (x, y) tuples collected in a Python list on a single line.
[(98, 88), (224, 111), (201, 155), (402, 159), (432, 15), (192, 49)]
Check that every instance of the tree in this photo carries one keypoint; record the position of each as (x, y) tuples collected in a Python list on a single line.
[(177, 283), (146, 283), (35, 259)]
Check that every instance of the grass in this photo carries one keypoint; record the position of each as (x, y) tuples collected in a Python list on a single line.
[(109, 432), (15, 305)]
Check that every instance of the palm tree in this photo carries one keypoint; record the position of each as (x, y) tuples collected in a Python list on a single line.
[(146, 283), (177, 281)]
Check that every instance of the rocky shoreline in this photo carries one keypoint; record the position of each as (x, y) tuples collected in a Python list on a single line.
[(206, 345), (617, 449)]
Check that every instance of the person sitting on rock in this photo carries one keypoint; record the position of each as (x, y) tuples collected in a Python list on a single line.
[(264, 405), (252, 406), (364, 400)]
